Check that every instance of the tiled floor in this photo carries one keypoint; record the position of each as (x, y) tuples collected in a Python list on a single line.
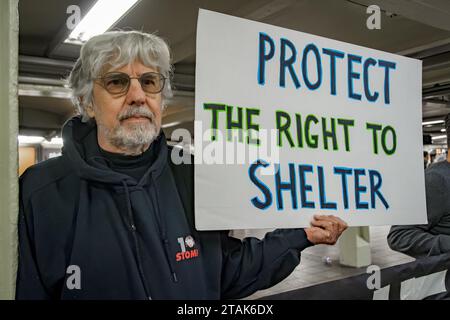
[(313, 270)]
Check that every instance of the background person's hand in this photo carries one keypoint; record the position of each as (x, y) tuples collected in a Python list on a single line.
[(325, 229)]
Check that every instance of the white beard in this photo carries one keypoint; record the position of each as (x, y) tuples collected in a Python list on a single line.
[(132, 138)]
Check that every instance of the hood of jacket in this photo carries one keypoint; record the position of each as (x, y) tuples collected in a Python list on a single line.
[(83, 152), (82, 149)]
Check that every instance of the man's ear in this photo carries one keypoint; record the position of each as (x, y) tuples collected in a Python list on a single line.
[(90, 111), (89, 108)]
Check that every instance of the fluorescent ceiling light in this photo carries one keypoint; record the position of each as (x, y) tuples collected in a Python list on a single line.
[(432, 122), (30, 139), (439, 137), (44, 91), (55, 142), (442, 130), (171, 124), (99, 19)]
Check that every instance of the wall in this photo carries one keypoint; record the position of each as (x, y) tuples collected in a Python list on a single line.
[(9, 28)]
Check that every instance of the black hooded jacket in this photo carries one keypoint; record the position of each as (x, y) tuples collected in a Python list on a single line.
[(88, 232)]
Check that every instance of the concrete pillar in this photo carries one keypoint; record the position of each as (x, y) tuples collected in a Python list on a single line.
[(9, 126), (354, 247)]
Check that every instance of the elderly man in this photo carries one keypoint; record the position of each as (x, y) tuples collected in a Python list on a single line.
[(112, 218), (434, 237)]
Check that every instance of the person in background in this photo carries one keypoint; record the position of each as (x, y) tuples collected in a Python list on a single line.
[(432, 238), (432, 156), (425, 159), (441, 157)]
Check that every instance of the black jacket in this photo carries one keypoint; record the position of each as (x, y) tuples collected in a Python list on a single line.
[(432, 238), (132, 239)]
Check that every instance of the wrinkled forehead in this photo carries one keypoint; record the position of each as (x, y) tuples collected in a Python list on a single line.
[(135, 65)]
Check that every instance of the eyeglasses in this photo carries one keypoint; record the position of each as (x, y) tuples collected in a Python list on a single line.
[(119, 82)]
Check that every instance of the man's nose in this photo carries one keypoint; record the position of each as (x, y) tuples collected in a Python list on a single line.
[(135, 95)]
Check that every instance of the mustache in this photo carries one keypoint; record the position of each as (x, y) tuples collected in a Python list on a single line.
[(136, 112)]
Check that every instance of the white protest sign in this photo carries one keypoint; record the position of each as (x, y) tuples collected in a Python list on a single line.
[(317, 126)]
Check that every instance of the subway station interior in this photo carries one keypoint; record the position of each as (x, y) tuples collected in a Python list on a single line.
[(39, 50)]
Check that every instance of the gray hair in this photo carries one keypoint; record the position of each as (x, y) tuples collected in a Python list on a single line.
[(113, 50)]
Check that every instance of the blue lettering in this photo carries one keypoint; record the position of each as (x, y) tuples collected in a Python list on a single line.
[(263, 56)]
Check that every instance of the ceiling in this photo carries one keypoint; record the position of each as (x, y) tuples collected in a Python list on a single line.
[(414, 28)]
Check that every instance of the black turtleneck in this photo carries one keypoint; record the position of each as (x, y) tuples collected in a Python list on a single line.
[(133, 166)]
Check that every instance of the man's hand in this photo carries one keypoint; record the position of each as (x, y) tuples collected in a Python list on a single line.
[(325, 229)]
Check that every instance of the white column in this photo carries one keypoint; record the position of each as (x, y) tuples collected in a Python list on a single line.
[(354, 247), (9, 31)]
